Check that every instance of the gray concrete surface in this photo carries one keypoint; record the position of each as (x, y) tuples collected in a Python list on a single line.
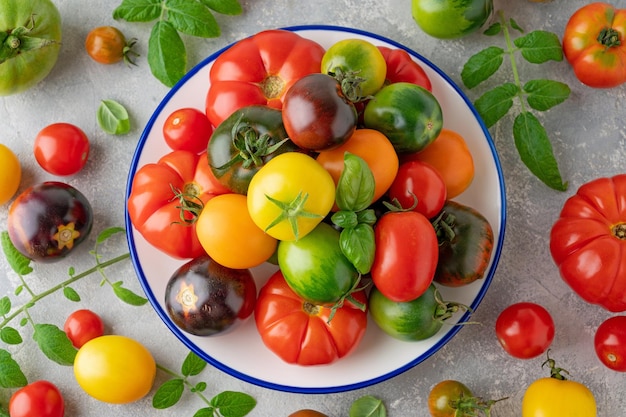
[(589, 138)]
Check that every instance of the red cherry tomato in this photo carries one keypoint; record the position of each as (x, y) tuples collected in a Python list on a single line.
[(38, 399), (402, 68), (187, 129), (83, 325), (61, 149), (610, 343), (525, 330), (418, 184)]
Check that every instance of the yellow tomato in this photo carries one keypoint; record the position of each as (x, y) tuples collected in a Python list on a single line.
[(115, 369), (10, 174), (552, 397)]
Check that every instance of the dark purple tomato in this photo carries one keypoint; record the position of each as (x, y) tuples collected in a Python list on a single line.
[(205, 298), (316, 114), (49, 220)]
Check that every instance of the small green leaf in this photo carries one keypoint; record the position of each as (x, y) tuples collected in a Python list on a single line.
[(107, 233), (55, 344), (368, 406), (229, 7), (358, 245), (113, 118), (233, 404), (138, 10), (540, 46), (535, 150), (5, 305), (167, 55), (18, 290), (193, 365), (18, 262), (199, 387), (367, 216), (493, 30), (345, 219), (515, 26), (71, 294), (11, 376), (10, 336), (192, 18), (24, 321), (356, 185), (71, 271), (545, 94), (168, 394), (481, 66), (495, 103), (205, 412), (127, 295)]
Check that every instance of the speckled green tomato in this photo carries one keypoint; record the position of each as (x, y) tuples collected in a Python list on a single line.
[(449, 19), (30, 40)]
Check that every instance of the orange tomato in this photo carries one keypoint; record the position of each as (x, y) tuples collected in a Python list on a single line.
[(451, 157)]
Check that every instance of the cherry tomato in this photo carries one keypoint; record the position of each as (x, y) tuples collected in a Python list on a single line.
[(420, 186), (115, 369), (307, 413), (442, 396), (83, 325), (187, 129), (37, 399), (108, 45), (61, 149), (10, 174), (402, 68), (525, 330), (610, 343)]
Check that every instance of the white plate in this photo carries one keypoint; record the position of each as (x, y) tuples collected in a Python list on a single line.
[(241, 353)]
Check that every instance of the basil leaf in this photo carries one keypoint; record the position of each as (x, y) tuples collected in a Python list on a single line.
[(167, 55), (192, 18), (481, 66), (535, 150), (230, 7), (193, 365), (11, 376), (355, 188), (495, 103), (545, 94), (233, 404), (168, 394), (358, 245), (55, 344), (540, 46), (368, 406), (138, 10), (113, 118), (345, 219)]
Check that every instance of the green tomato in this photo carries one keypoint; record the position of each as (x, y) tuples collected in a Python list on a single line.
[(409, 115), (30, 40), (315, 267), (448, 19)]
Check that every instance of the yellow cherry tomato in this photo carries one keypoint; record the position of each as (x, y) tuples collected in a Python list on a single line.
[(115, 369), (10, 174)]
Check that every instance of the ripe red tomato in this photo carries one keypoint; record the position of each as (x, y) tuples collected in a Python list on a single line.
[(420, 186), (83, 325), (402, 68), (61, 149), (525, 330), (187, 129), (610, 343), (37, 399), (108, 45)]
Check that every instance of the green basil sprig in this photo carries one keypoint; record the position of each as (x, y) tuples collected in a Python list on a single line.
[(113, 117)]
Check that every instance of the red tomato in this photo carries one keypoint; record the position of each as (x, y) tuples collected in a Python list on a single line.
[(187, 129), (525, 330), (418, 182), (61, 149), (406, 255), (38, 399), (83, 325), (610, 343), (588, 242), (155, 211), (402, 68), (259, 70), (300, 332), (108, 45)]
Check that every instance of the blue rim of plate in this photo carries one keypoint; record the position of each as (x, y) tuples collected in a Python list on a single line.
[(331, 389)]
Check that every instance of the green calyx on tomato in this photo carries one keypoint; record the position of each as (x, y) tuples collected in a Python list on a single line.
[(451, 398), (449, 19)]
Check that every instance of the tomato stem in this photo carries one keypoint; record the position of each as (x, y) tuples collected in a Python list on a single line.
[(619, 231), (555, 372), (291, 211), (609, 38)]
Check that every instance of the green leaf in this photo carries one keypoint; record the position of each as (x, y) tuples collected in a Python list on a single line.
[(515, 26), (540, 46), (368, 406), (205, 412), (168, 394), (5, 305), (18, 262), (10, 336), (193, 365), (233, 404), (167, 55), (138, 10), (493, 30), (71, 294), (11, 376), (356, 185), (229, 7), (192, 18), (127, 295), (113, 118), (345, 219), (107, 233), (535, 150), (358, 245), (55, 344), (545, 94), (199, 387), (495, 103), (481, 66)]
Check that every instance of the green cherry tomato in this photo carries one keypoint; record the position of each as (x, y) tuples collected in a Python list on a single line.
[(449, 19)]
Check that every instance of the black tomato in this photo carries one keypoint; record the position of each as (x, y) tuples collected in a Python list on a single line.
[(205, 298), (316, 113), (49, 220)]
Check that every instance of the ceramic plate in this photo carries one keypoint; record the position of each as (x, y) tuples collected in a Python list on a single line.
[(241, 353)]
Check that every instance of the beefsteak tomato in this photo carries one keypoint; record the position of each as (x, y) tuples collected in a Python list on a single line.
[(588, 242)]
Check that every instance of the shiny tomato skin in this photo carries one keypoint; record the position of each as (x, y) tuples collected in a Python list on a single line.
[(299, 332), (610, 343), (10, 174), (307, 413), (106, 45), (420, 186), (548, 397), (442, 394), (450, 19), (61, 149), (83, 325), (187, 129), (525, 330), (406, 255), (37, 399), (402, 68)]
